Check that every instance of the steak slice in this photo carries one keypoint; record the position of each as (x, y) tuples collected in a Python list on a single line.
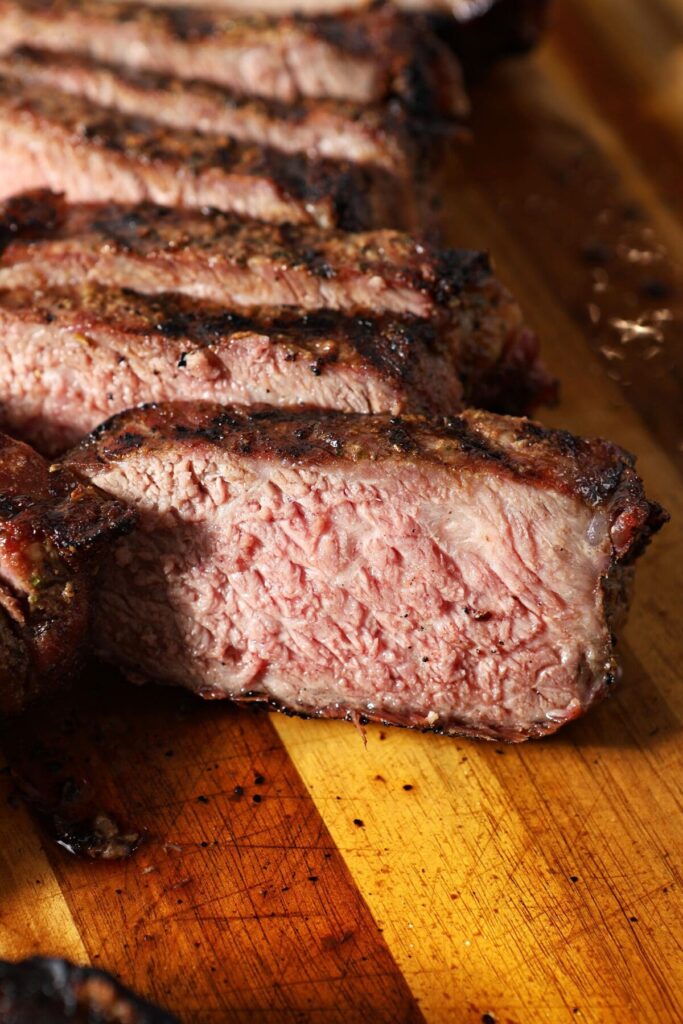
[(322, 129), (72, 357), (465, 575), (55, 140), (50, 991), (223, 259), (365, 57), (53, 528)]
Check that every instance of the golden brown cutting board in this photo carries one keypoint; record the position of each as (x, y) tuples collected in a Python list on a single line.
[(292, 874)]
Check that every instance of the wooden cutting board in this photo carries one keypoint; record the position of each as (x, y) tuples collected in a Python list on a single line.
[(418, 878)]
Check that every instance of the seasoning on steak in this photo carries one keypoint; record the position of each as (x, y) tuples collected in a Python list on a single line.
[(365, 57), (54, 140), (465, 576), (223, 259), (53, 529), (478, 30), (51, 991), (322, 129), (73, 357)]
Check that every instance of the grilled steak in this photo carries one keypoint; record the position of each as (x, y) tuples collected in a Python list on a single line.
[(91, 153), (365, 57), (465, 576), (72, 357), (42, 991), (478, 30), (222, 259), (322, 129), (52, 530)]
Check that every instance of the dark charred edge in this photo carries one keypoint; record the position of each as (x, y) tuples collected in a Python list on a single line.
[(423, 75), (69, 527), (30, 215), (52, 991), (516, 384), (507, 28), (391, 345), (426, 83), (353, 191), (596, 472), (456, 270), (419, 138), (610, 479), (134, 229)]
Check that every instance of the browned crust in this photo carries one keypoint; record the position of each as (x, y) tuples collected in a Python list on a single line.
[(52, 991), (408, 61), (401, 350), (595, 472), (52, 528), (146, 230), (397, 138), (322, 192)]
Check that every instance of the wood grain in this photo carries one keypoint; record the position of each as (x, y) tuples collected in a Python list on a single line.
[(419, 878), (237, 906)]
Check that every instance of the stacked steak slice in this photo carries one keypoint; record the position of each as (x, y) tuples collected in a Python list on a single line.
[(366, 57), (88, 152), (200, 109), (383, 137), (465, 576), (53, 529), (367, 322)]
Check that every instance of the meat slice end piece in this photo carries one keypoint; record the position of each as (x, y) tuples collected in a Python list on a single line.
[(52, 529)]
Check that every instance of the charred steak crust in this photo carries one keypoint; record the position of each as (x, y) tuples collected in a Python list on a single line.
[(237, 262), (96, 351), (597, 472), (53, 528), (605, 521), (383, 136), (366, 57), (51, 991), (146, 230), (92, 152)]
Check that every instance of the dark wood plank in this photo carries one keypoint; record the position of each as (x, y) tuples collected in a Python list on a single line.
[(237, 906), (582, 224)]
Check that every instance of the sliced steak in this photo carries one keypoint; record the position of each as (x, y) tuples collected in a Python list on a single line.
[(365, 57), (47, 991), (93, 154), (53, 528), (223, 259), (72, 357), (465, 576), (322, 129)]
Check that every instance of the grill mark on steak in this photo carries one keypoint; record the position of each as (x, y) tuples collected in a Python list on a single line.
[(380, 136), (53, 991), (594, 471), (464, 575), (236, 262), (92, 153), (365, 57), (52, 530), (72, 357)]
